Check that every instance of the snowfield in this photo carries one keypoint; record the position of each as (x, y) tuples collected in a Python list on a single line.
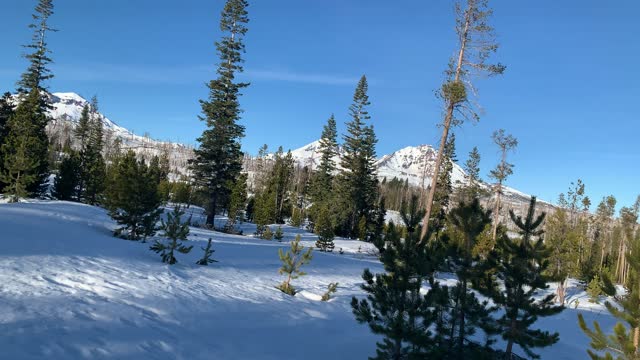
[(69, 290)]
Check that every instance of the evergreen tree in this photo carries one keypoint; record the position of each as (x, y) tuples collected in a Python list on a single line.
[(37, 72), (506, 143), (218, 160), (476, 43), (467, 313), (472, 188), (324, 229), (442, 196), (625, 341), (18, 171), (6, 112), (358, 183), (279, 235), (323, 178), (394, 307), (176, 231), (267, 234), (521, 266), (68, 178), (237, 201), (93, 165), (182, 193), (270, 201), (82, 130), (133, 199), (331, 289), (208, 252), (26, 147), (562, 241), (31, 115), (292, 262)]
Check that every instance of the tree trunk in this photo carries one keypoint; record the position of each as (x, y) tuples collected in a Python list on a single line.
[(496, 212), (445, 131), (560, 293), (211, 215)]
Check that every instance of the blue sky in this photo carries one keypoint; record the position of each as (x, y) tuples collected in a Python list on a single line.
[(570, 93)]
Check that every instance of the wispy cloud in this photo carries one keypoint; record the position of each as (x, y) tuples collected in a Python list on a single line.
[(180, 74), (137, 74), (297, 77)]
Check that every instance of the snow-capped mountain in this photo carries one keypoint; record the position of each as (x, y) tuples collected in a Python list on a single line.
[(412, 163), (405, 164), (415, 164), (65, 113)]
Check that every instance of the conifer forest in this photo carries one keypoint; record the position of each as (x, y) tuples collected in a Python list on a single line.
[(242, 242)]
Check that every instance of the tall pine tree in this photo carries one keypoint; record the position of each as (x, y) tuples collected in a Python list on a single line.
[(357, 181), (521, 265), (218, 160), (322, 184), (33, 93)]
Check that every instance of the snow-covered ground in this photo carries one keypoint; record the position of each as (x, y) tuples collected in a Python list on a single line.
[(69, 290)]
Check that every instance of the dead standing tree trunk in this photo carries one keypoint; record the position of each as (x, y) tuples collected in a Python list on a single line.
[(476, 44)]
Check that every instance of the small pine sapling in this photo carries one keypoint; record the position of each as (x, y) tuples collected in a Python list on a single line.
[(206, 258), (292, 261), (331, 289), (279, 235), (267, 234), (176, 232), (594, 289)]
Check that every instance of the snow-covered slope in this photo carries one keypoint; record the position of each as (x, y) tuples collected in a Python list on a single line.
[(69, 290), (66, 110)]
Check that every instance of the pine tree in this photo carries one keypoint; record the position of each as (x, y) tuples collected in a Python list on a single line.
[(270, 200), (625, 341), (394, 307), (218, 160), (34, 99), (561, 239), (467, 313), (324, 229), (18, 171), (594, 289), (237, 201), (182, 193), (521, 265), (292, 262), (37, 72), (279, 235), (94, 165), (506, 143), (208, 252), (26, 147), (68, 178), (476, 44), (322, 183), (132, 198), (176, 231), (442, 196), (357, 181), (267, 234), (81, 132), (6, 112), (331, 289), (472, 188)]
